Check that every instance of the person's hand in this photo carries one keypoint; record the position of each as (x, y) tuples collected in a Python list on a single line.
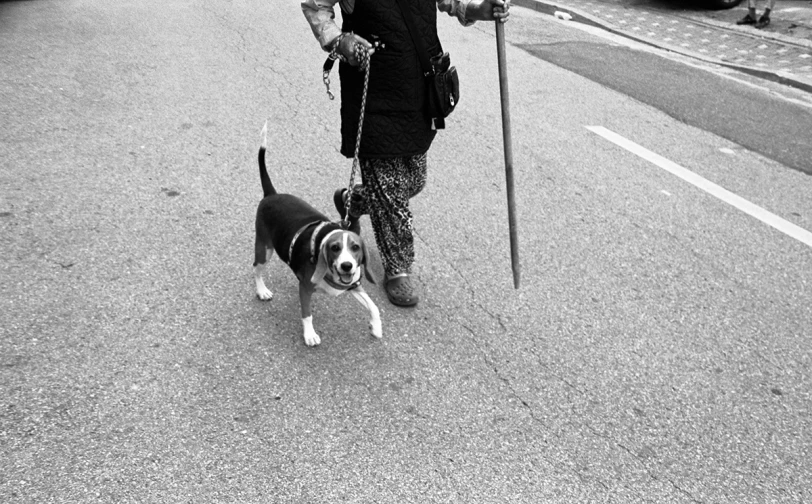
[(349, 46), (491, 10)]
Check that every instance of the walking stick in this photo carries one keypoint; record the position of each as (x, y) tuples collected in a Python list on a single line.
[(503, 87)]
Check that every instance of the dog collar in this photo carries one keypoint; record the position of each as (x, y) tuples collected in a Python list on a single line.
[(299, 233), (314, 254)]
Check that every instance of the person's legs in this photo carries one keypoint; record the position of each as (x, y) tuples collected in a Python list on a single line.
[(416, 166), (750, 17), (764, 20), (388, 184)]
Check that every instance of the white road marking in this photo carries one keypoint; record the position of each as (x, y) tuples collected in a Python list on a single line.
[(706, 185)]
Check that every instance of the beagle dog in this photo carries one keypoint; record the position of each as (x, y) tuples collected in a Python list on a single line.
[(324, 256)]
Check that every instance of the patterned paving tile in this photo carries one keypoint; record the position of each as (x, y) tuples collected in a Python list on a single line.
[(731, 45)]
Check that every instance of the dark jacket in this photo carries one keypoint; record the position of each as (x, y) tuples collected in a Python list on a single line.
[(396, 121)]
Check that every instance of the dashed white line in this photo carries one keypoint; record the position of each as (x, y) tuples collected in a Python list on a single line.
[(706, 185)]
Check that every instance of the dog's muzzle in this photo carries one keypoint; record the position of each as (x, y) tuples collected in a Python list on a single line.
[(346, 273)]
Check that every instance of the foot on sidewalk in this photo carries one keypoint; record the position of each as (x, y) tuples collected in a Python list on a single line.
[(746, 20), (763, 21)]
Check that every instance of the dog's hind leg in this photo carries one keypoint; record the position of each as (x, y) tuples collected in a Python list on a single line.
[(375, 326), (261, 257)]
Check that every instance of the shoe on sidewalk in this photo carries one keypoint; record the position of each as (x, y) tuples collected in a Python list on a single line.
[(400, 290), (340, 201), (763, 21), (747, 20)]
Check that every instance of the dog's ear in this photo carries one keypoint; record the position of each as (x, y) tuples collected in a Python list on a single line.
[(321, 265), (368, 275), (364, 262)]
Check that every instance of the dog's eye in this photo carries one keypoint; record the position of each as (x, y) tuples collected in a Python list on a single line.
[(335, 247), (355, 247)]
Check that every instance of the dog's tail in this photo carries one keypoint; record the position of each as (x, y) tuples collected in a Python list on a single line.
[(267, 186)]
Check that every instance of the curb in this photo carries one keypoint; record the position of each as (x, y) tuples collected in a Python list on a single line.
[(579, 16)]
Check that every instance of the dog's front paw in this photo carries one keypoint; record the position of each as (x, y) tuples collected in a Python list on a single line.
[(310, 336), (264, 293), (312, 339)]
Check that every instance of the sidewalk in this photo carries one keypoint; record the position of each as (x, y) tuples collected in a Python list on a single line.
[(782, 52)]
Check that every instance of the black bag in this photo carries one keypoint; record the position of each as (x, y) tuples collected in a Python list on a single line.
[(441, 78), (445, 84)]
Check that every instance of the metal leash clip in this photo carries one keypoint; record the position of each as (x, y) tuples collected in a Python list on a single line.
[(360, 54), (330, 61)]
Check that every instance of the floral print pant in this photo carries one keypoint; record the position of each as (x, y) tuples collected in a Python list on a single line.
[(388, 185)]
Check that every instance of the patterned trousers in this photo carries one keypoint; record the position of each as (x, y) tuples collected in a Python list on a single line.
[(388, 184), (769, 4)]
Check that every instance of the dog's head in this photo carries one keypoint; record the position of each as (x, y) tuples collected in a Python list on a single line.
[(343, 255)]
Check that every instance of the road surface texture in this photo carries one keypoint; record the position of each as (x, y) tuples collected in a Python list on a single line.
[(657, 351)]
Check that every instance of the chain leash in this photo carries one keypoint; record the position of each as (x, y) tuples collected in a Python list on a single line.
[(362, 55)]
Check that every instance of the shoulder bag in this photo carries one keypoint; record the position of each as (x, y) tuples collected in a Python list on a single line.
[(441, 78)]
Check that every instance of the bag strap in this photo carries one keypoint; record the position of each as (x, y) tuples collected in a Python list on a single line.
[(422, 53)]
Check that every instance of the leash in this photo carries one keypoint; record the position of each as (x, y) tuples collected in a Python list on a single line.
[(362, 55)]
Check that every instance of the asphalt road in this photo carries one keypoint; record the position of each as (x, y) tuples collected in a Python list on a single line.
[(749, 117), (658, 350)]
